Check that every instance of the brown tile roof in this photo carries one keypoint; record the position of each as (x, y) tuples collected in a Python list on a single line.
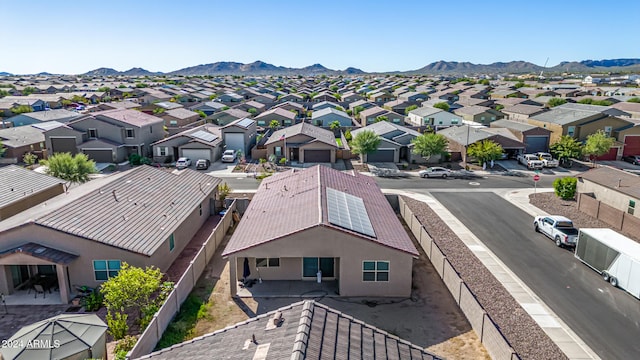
[(181, 113), (277, 111), (297, 200), (308, 330), (136, 212), (609, 177), (127, 116)]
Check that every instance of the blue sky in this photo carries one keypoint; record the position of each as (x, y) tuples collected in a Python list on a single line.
[(77, 36)]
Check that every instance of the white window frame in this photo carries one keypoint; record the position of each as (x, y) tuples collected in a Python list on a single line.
[(107, 270), (163, 150), (267, 263), (376, 271)]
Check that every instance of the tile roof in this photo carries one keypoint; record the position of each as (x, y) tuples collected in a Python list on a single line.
[(608, 177), (127, 116), (305, 206), (180, 113), (523, 109), (136, 212), (21, 136), (425, 111), (41, 252), (50, 115), (384, 127), (515, 125), (308, 330), (471, 110), (17, 183), (329, 110), (315, 132), (277, 111), (563, 116)]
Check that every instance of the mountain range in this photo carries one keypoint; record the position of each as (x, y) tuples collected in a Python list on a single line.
[(439, 67)]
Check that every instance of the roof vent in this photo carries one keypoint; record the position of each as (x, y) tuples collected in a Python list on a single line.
[(275, 321)]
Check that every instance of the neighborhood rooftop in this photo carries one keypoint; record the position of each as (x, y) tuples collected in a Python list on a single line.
[(306, 330), (17, 182), (301, 199), (136, 212)]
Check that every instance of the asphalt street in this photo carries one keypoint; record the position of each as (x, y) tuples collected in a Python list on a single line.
[(418, 184), (607, 319)]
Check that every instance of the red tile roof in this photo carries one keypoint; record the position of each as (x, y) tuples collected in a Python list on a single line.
[(290, 202)]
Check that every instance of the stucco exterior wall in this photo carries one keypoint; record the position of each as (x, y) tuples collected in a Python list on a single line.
[(350, 250), (608, 196)]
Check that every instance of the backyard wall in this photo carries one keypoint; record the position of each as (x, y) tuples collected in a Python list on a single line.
[(152, 334), (617, 219)]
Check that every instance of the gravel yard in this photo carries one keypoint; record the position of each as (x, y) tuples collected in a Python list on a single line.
[(522, 332)]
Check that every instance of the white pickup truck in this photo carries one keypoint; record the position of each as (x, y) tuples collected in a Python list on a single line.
[(547, 160), (558, 228), (531, 161)]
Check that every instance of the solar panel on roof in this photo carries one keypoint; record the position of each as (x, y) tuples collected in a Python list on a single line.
[(349, 212), (245, 123), (203, 135)]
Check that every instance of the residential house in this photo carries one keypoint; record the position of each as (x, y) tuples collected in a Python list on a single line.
[(508, 93), (323, 105), (633, 109), (480, 114), (413, 96), (395, 143), (208, 107), (332, 225), (21, 140), (8, 103), (363, 103), (373, 114), (229, 98), (201, 142), (522, 112), (151, 95), (535, 139), (282, 116), (59, 115), (351, 96), (298, 109), (294, 98), (434, 117), (460, 137), (580, 121), (240, 135), (327, 331), (227, 116), (144, 217), (381, 97), (178, 119), (616, 188), (107, 136), (303, 143), (21, 189), (326, 116), (120, 105), (252, 107), (324, 96)]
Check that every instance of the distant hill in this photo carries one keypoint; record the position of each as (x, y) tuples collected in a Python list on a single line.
[(102, 72), (258, 68), (261, 68), (2, 73)]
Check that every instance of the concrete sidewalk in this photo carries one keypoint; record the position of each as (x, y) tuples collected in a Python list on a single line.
[(557, 330)]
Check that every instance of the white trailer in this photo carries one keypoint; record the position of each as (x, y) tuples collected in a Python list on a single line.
[(613, 255)]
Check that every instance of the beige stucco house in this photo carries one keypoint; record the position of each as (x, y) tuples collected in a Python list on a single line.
[(303, 143), (303, 222), (144, 217), (616, 188)]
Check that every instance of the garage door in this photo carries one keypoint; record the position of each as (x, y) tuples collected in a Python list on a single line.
[(99, 156), (611, 155), (381, 156), (234, 141), (195, 154), (631, 145), (317, 156), (60, 145), (536, 144)]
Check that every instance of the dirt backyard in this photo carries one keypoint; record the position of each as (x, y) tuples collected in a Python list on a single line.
[(430, 318)]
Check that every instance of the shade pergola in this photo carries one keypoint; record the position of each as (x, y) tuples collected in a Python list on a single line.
[(66, 336)]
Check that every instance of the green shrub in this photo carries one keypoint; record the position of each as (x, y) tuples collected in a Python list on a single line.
[(283, 161), (30, 159), (93, 301), (117, 324), (145, 161), (565, 187), (124, 346), (134, 159)]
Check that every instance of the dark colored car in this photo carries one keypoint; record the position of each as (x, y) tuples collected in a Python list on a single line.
[(634, 159), (202, 164)]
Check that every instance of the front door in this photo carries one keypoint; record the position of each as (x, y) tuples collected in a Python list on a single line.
[(311, 265)]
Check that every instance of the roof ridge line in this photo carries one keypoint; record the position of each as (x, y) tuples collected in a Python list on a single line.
[(302, 334)]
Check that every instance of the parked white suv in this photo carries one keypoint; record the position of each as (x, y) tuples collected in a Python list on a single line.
[(530, 161), (183, 163), (229, 156), (547, 160)]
